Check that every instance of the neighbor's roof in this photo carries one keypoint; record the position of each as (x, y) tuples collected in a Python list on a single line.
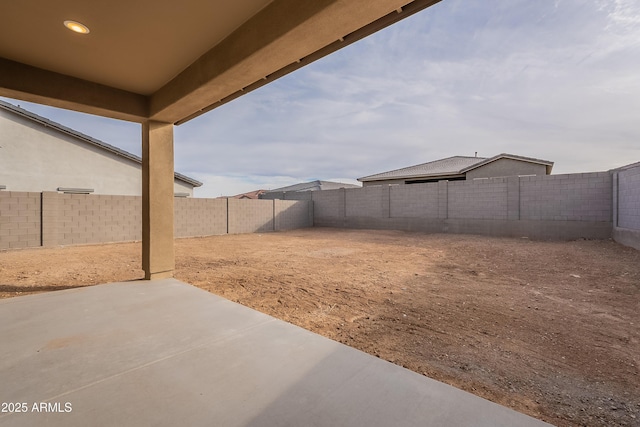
[(85, 138), (314, 186), (449, 167), (249, 195)]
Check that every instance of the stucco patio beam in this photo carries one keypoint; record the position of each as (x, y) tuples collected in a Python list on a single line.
[(351, 38), (33, 84), (282, 37)]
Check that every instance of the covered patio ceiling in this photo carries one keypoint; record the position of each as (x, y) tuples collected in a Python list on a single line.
[(170, 61), (162, 63)]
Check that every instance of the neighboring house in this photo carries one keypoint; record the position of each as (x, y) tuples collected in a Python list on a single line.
[(250, 195), (279, 193), (313, 186), (38, 155), (461, 168)]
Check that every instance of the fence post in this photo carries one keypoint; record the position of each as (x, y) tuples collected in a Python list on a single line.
[(49, 218), (385, 201), (615, 200), (273, 216), (344, 202), (227, 219), (443, 199), (513, 198)]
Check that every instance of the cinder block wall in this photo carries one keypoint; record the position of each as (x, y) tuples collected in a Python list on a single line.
[(251, 216), (299, 195), (260, 216), (546, 207), (291, 214), (478, 199), (414, 201), (629, 198), (19, 220), (51, 218), (587, 205), (626, 206), (69, 219), (329, 208), (366, 202), (200, 217), (574, 197)]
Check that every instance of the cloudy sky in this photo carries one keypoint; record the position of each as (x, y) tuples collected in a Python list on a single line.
[(553, 79)]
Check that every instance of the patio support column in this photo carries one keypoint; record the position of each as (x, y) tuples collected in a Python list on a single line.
[(158, 260)]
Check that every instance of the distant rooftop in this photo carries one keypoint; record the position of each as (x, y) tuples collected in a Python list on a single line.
[(314, 186), (249, 195), (450, 166)]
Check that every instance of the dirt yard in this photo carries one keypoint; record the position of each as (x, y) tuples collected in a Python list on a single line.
[(549, 329)]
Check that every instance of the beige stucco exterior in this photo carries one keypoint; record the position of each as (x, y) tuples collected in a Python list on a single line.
[(37, 158), (157, 200), (507, 167)]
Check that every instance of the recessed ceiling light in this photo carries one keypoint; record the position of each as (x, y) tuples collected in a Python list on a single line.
[(76, 27)]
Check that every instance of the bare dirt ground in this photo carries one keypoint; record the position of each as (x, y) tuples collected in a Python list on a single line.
[(549, 329)]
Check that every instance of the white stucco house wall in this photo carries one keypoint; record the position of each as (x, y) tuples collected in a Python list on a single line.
[(38, 155)]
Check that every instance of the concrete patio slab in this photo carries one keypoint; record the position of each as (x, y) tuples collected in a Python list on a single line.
[(164, 353)]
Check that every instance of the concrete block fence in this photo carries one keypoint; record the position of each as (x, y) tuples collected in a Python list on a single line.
[(71, 219), (51, 218), (200, 217), (20, 220), (586, 205), (626, 213)]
